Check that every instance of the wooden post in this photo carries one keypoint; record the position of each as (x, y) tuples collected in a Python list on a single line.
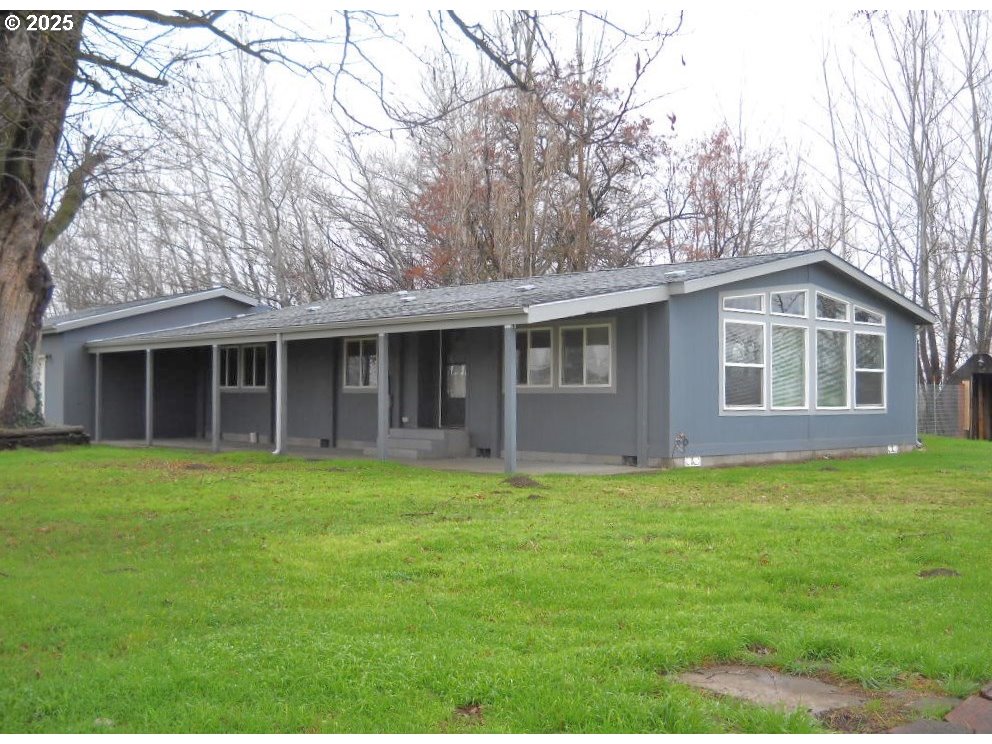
[(643, 391), (98, 398), (215, 398), (149, 396), (281, 388), (382, 396), (510, 398)]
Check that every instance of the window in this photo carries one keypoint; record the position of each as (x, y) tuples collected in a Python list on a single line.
[(831, 369), (869, 370), (830, 308), (788, 367), (743, 365), (254, 366), (869, 317), (789, 303), (586, 358), (534, 357), (753, 303), (229, 356), (361, 363)]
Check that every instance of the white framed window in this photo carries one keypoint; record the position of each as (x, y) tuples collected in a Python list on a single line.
[(869, 370), (230, 367), (361, 363), (254, 366), (585, 357), (743, 365), (865, 316), (790, 303), (535, 357), (829, 307), (748, 303), (789, 353), (832, 368)]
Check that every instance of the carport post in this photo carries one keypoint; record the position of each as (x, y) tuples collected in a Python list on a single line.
[(510, 398), (280, 396), (643, 390), (149, 396), (382, 396), (215, 398), (98, 397)]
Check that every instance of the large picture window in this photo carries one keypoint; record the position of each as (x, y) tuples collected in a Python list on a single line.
[(744, 365), (361, 370), (869, 370), (534, 357), (831, 368), (586, 356)]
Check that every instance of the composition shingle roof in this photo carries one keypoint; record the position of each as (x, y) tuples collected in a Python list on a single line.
[(497, 296)]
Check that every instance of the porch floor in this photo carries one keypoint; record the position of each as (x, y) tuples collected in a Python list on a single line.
[(462, 464)]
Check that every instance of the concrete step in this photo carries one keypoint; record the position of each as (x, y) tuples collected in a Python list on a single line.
[(436, 434), (397, 453)]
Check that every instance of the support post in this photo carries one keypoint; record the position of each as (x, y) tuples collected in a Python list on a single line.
[(98, 398), (215, 398), (510, 398), (149, 396), (382, 396), (643, 390), (281, 387)]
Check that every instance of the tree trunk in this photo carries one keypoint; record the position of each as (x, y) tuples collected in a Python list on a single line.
[(37, 70)]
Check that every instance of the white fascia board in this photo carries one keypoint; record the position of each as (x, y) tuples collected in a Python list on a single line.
[(806, 259), (149, 307), (470, 319), (596, 304)]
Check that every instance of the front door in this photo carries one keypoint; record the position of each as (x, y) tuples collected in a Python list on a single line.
[(454, 379)]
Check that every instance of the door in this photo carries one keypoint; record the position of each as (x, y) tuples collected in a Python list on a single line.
[(454, 379)]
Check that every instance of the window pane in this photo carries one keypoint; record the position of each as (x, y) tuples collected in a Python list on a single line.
[(754, 303), (539, 358), (571, 356), (260, 355), (229, 367), (866, 316), (744, 344), (455, 380), (789, 303), (827, 308), (788, 366), (831, 369), (597, 356), (248, 366), (869, 351), (370, 363), (743, 386), (353, 364), (521, 357), (869, 388)]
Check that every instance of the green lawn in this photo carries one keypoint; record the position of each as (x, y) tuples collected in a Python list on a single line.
[(160, 590)]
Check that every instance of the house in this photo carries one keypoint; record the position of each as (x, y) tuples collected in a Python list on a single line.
[(64, 368), (731, 360)]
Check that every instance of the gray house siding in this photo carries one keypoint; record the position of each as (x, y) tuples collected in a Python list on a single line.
[(310, 389), (694, 329), (123, 409), (70, 386)]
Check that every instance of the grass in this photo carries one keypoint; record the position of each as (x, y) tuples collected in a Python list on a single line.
[(166, 591)]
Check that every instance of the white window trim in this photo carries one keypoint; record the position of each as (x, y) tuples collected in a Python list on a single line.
[(771, 365), (345, 387), (884, 372), (846, 303), (847, 367), (551, 380), (608, 325), (759, 295), (241, 367), (854, 317), (763, 366), (803, 292)]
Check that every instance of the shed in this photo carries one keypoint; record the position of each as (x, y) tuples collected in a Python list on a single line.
[(975, 376)]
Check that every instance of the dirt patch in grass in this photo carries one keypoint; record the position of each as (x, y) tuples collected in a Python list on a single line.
[(523, 481), (933, 573), (760, 650), (877, 716), (470, 711)]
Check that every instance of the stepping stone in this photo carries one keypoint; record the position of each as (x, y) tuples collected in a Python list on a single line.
[(975, 714), (766, 687), (926, 726), (987, 691)]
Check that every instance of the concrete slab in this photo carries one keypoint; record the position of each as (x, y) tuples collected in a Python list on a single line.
[(767, 687), (975, 714), (926, 726)]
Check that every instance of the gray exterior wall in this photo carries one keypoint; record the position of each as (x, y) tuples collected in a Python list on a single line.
[(69, 378), (310, 388), (694, 326), (123, 406)]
